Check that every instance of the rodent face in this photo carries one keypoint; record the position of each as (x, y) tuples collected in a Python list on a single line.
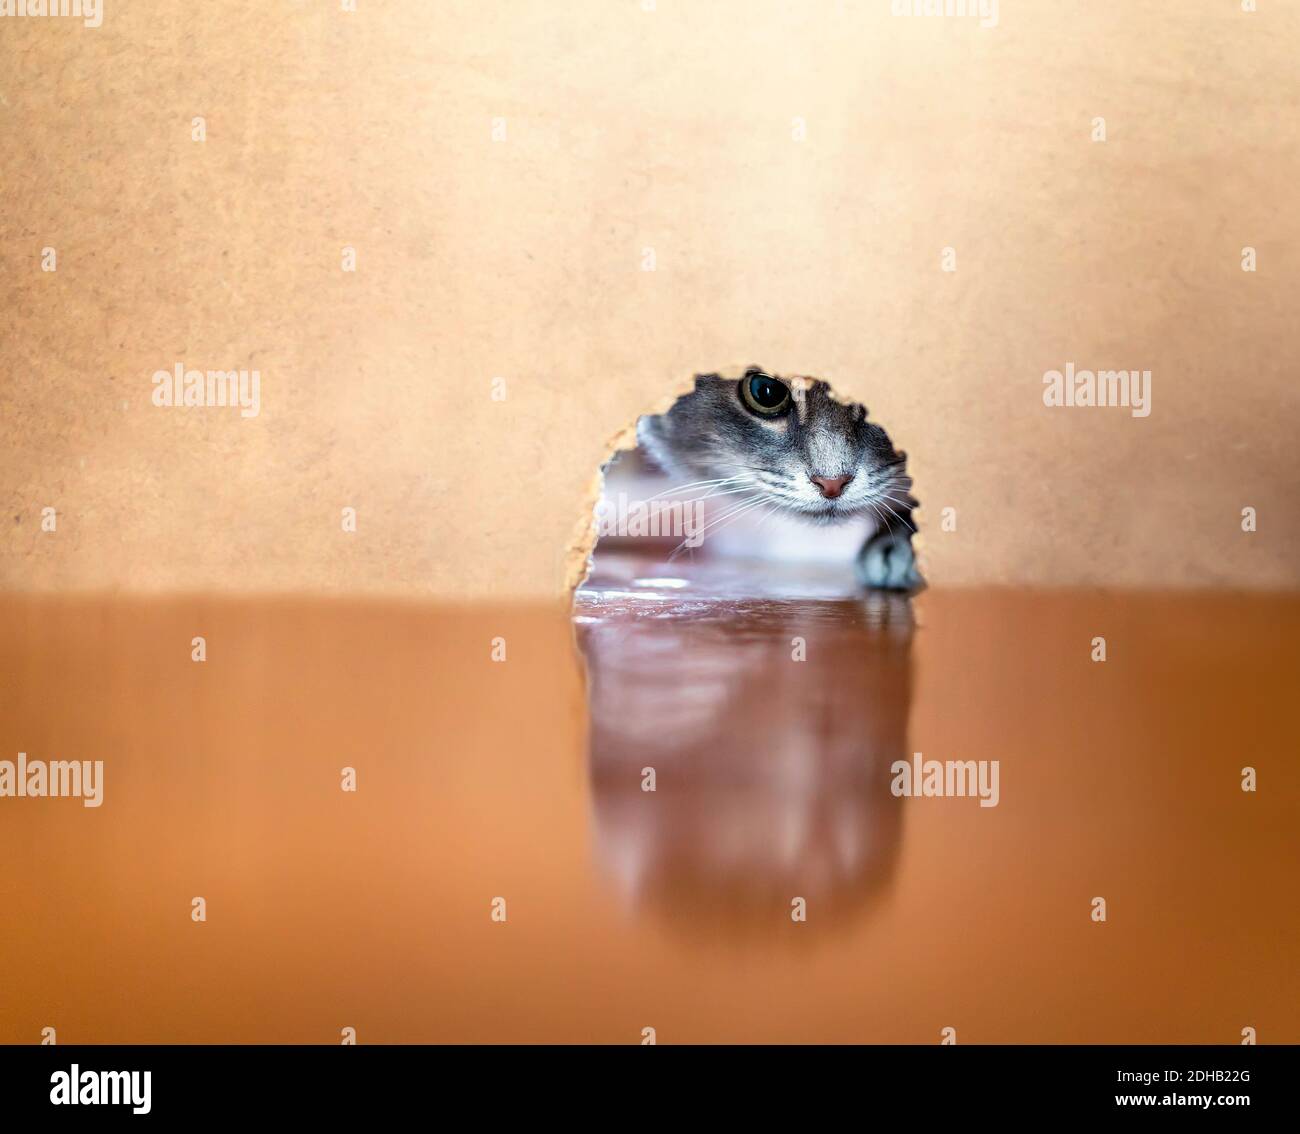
[(787, 440)]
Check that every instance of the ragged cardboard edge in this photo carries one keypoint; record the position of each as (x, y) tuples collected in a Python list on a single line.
[(582, 546), (577, 564)]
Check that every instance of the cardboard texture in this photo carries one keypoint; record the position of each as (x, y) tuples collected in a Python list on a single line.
[(506, 173)]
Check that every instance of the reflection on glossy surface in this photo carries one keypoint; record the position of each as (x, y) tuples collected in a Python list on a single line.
[(768, 725), (372, 909)]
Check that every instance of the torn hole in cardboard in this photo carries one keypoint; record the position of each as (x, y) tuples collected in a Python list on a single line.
[(750, 484)]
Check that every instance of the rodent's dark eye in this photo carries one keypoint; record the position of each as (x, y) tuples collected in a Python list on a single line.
[(764, 395)]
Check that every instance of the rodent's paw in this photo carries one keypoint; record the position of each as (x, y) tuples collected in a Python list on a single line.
[(887, 562)]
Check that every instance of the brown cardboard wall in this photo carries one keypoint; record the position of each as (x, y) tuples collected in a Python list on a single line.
[(502, 171)]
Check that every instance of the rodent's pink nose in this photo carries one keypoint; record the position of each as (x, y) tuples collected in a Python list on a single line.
[(831, 486)]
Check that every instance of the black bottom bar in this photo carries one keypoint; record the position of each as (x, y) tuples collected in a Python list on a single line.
[(333, 1084)]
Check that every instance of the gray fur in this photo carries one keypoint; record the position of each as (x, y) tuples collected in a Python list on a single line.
[(711, 433)]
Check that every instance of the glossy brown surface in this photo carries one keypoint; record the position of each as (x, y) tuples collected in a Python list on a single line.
[(629, 909)]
